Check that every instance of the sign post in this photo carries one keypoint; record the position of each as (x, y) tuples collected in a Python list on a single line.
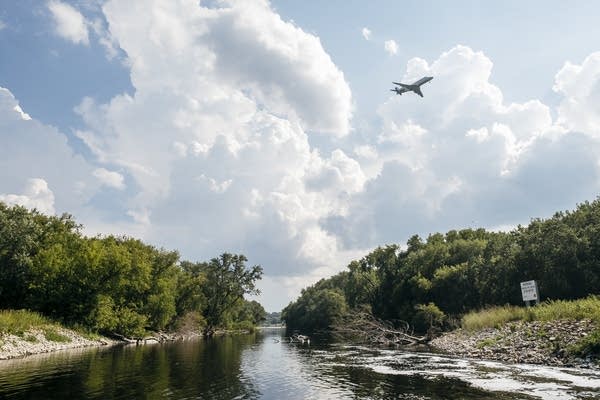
[(529, 290)]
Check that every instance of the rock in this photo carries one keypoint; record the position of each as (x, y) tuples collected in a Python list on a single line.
[(34, 341), (531, 342)]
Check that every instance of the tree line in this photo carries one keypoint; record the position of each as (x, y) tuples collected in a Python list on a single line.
[(118, 284), (430, 283)]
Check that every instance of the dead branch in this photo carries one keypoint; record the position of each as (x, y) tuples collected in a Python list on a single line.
[(364, 327)]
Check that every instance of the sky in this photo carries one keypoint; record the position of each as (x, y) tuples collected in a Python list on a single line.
[(269, 128)]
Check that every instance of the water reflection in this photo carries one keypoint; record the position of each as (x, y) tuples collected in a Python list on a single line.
[(195, 369), (263, 366)]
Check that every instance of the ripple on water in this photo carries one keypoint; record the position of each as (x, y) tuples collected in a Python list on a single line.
[(258, 367)]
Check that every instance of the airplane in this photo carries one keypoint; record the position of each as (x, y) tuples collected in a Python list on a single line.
[(415, 87)]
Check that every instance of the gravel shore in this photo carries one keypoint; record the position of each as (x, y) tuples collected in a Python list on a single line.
[(36, 341), (521, 342)]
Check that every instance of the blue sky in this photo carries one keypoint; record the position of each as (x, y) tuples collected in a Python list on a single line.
[(269, 128)]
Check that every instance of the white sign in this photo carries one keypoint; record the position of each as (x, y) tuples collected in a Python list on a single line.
[(529, 290)]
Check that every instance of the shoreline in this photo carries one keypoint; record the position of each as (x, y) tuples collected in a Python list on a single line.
[(536, 342), (37, 341)]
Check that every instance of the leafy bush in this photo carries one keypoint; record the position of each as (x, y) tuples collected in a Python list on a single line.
[(427, 316)]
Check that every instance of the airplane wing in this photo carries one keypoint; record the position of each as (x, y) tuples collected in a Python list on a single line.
[(404, 85), (422, 81)]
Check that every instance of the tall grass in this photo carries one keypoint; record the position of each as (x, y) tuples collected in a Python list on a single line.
[(588, 308), (19, 321)]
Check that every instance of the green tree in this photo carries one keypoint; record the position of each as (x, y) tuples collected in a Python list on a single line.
[(227, 281)]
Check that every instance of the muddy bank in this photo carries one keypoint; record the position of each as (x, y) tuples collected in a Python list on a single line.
[(536, 342)]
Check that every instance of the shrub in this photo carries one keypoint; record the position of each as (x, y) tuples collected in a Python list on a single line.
[(427, 316)]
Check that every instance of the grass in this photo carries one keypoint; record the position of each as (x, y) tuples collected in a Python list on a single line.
[(588, 308), (487, 342), (588, 346), (31, 339), (53, 335), (17, 322)]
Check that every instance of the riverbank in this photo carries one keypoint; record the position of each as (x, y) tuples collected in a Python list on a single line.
[(533, 342), (44, 340)]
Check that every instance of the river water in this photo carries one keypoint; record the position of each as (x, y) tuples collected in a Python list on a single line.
[(266, 366)]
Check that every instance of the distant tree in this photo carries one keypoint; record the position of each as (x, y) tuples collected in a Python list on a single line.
[(317, 309), (227, 281), (273, 318)]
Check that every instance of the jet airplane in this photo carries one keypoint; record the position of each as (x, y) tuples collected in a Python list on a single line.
[(415, 87)]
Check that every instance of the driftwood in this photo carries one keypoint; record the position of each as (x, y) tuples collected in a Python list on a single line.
[(365, 328), (159, 337)]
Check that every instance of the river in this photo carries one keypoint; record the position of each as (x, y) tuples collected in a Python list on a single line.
[(266, 366)]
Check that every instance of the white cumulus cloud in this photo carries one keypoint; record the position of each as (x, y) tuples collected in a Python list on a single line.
[(580, 86), (31, 149), (215, 138), (70, 24), (36, 195), (462, 154)]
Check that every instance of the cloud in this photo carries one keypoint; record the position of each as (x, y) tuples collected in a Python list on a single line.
[(36, 195), (391, 47), (110, 178), (2, 25), (219, 145), (461, 154), (366, 32), (70, 24), (580, 86), (31, 149), (215, 137), (216, 142), (24, 115)]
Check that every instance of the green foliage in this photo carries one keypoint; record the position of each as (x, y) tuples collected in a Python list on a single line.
[(317, 309), (272, 319), (427, 316), (113, 284), (228, 280), (473, 269)]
